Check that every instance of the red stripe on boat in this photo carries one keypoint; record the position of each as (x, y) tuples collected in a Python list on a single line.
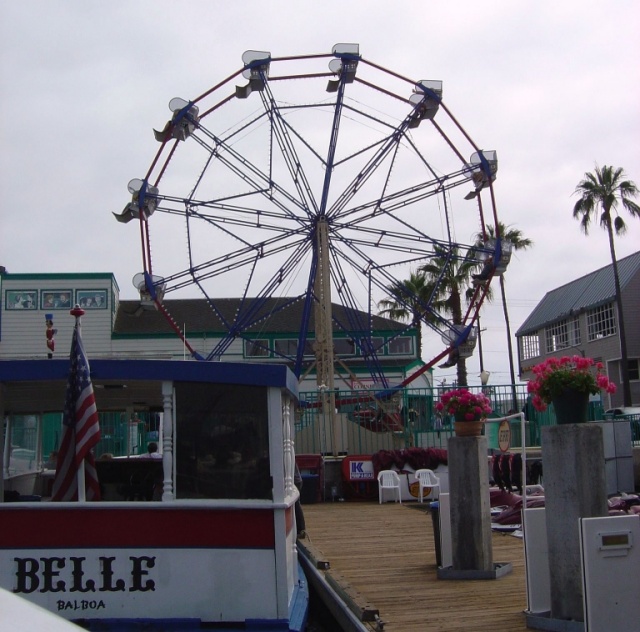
[(119, 527)]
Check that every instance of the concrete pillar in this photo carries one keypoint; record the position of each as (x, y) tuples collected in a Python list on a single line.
[(574, 487), (470, 504)]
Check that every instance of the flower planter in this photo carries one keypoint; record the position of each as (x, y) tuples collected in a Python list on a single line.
[(468, 428), (571, 407), (566, 383), (467, 409)]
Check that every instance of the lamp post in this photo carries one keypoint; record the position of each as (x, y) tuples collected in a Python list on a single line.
[(480, 330)]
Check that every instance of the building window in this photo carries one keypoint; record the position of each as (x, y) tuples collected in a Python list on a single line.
[(574, 332), (634, 369), (287, 347), (23, 445), (530, 346), (375, 344), (563, 334), (256, 348), (601, 322), (400, 346), (344, 346)]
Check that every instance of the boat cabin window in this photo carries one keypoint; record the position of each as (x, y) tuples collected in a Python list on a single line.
[(222, 441), (21, 445)]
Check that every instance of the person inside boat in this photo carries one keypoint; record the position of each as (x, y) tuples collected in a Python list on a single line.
[(152, 451), (50, 463)]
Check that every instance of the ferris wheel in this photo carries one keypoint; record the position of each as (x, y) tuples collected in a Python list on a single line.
[(317, 179)]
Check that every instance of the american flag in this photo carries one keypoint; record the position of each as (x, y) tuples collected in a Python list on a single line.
[(81, 427)]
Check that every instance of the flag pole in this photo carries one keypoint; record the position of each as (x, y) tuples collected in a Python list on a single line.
[(76, 476), (82, 491), (77, 312)]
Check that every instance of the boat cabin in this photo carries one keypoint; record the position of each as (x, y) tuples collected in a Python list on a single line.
[(200, 532)]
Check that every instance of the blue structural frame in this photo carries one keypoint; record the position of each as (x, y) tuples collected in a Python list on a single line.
[(276, 375)]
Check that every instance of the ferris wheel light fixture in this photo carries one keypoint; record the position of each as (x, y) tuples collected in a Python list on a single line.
[(494, 260), (344, 66), (426, 97), (256, 70), (150, 287), (483, 167), (463, 338), (143, 201), (183, 122)]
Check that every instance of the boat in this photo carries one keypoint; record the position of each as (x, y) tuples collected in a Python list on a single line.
[(202, 535), (21, 615)]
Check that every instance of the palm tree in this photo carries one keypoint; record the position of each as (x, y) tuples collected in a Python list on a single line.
[(450, 275), (604, 190), (518, 242), (406, 301)]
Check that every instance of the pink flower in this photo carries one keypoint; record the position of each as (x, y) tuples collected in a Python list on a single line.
[(464, 403), (555, 375)]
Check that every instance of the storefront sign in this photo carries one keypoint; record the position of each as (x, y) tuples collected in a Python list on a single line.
[(361, 471)]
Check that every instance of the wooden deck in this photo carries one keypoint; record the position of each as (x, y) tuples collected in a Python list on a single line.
[(385, 556)]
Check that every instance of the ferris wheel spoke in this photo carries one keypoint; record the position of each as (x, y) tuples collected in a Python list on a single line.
[(253, 311), (288, 150), (374, 162), (414, 250), (378, 274), (403, 198), (229, 261), (333, 143), (380, 278), (248, 216), (355, 319), (260, 181), (410, 241), (292, 130), (220, 222)]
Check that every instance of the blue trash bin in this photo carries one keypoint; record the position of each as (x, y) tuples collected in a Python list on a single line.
[(310, 489)]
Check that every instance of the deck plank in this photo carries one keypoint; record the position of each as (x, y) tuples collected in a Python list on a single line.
[(386, 553)]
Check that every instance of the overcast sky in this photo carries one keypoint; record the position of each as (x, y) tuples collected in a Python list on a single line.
[(553, 87)]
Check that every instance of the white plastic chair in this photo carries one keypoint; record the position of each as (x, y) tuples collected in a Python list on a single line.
[(388, 479), (427, 480)]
